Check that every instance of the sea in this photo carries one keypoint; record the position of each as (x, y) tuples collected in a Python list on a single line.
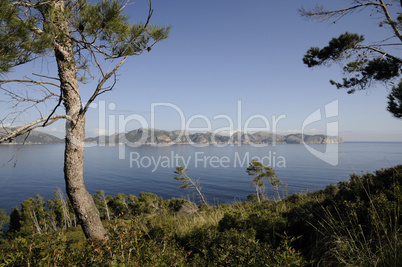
[(220, 171)]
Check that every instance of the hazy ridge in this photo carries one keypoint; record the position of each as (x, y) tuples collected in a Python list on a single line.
[(154, 136)]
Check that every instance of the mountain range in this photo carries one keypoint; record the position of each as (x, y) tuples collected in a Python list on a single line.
[(154, 136)]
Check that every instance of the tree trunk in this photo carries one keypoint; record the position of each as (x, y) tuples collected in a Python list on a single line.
[(82, 202), (257, 193)]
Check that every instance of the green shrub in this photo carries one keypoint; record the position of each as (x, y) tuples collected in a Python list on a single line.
[(361, 225), (239, 248)]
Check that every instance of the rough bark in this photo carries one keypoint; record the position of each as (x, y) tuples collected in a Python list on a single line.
[(82, 201)]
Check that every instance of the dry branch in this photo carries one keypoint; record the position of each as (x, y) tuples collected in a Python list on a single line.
[(31, 126)]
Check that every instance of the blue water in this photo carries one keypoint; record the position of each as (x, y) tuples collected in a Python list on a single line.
[(221, 170)]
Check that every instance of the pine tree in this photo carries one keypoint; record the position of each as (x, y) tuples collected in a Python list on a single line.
[(101, 203), (188, 182), (365, 64), (15, 221), (260, 171), (80, 38)]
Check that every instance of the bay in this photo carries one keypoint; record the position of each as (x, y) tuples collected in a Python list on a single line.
[(221, 170)]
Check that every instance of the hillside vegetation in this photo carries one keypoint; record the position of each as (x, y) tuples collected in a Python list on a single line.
[(353, 223)]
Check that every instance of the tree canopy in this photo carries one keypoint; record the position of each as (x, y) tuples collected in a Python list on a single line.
[(29, 30), (260, 171)]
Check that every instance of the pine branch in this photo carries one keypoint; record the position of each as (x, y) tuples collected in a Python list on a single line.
[(28, 82), (325, 15), (374, 49), (390, 21)]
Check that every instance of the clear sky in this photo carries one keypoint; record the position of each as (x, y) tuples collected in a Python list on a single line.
[(226, 54)]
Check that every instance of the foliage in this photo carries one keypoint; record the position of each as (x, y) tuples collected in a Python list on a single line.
[(395, 101), (353, 223), (239, 248), (260, 171), (14, 226), (103, 26), (38, 217), (3, 220), (364, 63), (18, 43), (101, 202), (356, 223), (333, 52), (128, 246), (365, 221)]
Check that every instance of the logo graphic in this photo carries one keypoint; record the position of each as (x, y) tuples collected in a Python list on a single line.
[(330, 155)]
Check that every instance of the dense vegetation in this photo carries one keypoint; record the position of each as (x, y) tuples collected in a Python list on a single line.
[(353, 223)]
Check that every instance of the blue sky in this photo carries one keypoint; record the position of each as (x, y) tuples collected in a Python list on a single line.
[(224, 52)]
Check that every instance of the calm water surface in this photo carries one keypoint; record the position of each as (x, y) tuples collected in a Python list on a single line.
[(221, 170)]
